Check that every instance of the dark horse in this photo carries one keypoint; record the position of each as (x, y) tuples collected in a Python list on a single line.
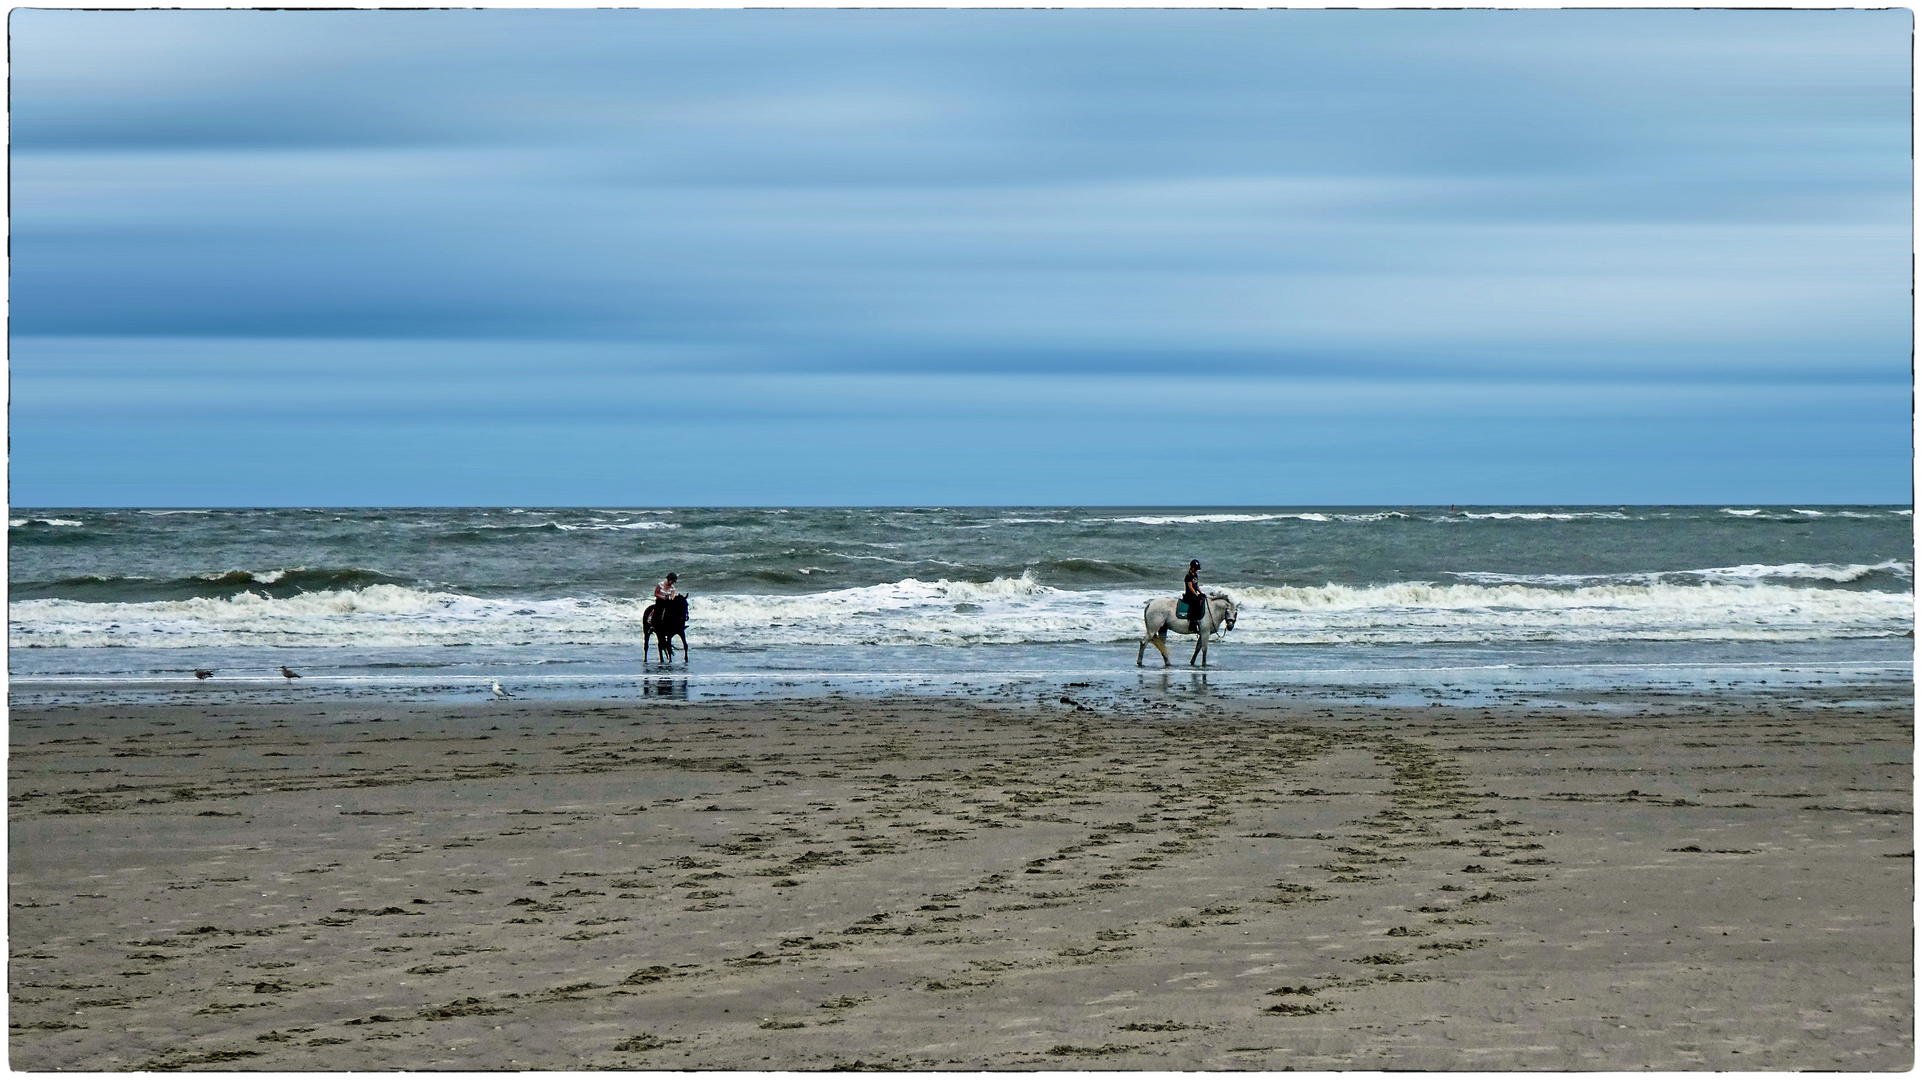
[(661, 621)]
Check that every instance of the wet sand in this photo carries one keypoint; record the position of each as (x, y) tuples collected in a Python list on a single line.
[(932, 884)]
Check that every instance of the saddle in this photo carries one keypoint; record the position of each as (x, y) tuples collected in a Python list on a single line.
[(1181, 610)]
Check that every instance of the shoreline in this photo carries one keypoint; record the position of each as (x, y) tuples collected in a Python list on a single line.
[(1102, 676), (1700, 882)]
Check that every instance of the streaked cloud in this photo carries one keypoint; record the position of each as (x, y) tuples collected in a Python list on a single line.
[(1381, 199)]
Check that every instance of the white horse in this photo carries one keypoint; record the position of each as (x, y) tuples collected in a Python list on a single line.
[(1159, 618)]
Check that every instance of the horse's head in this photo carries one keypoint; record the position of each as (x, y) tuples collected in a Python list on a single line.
[(1228, 621)]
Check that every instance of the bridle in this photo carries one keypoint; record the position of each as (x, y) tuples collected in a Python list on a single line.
[(1229, 623)]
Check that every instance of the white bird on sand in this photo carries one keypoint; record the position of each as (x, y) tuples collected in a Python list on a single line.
[(500, 693), (290, 673)]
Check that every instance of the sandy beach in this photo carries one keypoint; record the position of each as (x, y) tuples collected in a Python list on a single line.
[(936, 884)]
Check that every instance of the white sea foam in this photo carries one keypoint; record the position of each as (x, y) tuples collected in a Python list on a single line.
[(564, 527), (1000, 611), (1740, 513), (1547, 515), (258, 577), (1235, 519), (1380, 515), (872, 558), (1833, 572), (16, 523), (1227, 519), (1193, 519), (1413, 612), (592, 524), (1807, 571)]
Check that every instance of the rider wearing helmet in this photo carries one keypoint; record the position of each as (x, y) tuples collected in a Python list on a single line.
[(665, 590), (1191, 594)]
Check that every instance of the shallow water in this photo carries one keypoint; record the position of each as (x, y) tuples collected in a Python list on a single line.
[(1093, 676)]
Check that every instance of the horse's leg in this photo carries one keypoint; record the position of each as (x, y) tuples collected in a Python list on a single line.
[(1201, 645), (1161, 646)]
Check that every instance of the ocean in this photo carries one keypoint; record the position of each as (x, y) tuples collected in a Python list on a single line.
[(1404, 604)]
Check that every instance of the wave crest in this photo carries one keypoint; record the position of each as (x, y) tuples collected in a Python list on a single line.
[(912, 612), (222, 584), (1837, 573)]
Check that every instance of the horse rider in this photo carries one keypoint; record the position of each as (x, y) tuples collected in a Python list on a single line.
[(1192, 595), (665, 590)]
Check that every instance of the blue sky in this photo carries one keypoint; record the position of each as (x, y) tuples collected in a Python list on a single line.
[(559, 257)]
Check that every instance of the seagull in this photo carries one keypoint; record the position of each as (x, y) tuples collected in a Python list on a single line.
[(290, 673), (500, 693), (203, 673)]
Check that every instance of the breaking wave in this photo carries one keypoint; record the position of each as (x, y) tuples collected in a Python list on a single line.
[(273, 584), (1754, 572), (1004, 610), (1547, 515), (1230, 519)]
